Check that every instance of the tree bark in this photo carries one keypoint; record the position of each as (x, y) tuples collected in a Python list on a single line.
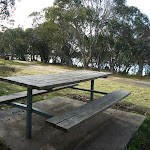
[(140, 71)]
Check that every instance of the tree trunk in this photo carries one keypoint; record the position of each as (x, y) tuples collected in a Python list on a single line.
[(12, 56), (31, 57), (67, 60), (140, 71), (111, 63)]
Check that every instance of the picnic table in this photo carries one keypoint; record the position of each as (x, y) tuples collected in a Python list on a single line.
[(38, 84)]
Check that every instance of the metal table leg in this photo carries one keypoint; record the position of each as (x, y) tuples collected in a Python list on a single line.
[(29, 114), (92, 88)]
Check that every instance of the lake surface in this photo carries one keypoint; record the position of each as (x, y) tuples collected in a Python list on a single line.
[(133, 70)]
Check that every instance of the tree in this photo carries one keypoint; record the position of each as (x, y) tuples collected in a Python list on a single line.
[(141, 47), (1, 45), (65, 46), (6, 7), (37, 18), (100, 54), (46, 35), (88, 19), (118, 34), (14, 42), (137, 35), (31, 42)]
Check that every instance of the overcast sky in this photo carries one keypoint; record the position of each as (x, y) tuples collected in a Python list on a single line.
[(25, 7), (143, 5)]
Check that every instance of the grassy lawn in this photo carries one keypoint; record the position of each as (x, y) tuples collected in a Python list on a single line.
[(10, 62), (143, 78), (137, 102)]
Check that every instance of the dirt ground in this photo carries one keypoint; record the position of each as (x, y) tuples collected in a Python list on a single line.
[(40, 67)]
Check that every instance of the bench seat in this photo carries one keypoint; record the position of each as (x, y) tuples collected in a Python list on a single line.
[(12, 97), (70, 119)]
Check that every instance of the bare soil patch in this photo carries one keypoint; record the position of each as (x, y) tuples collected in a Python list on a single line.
[(33, 66)]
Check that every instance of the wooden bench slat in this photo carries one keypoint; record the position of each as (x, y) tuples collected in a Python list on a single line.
[(68, 120), (12, 97)]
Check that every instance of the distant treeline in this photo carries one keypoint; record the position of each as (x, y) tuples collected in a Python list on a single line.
[(101, 33)]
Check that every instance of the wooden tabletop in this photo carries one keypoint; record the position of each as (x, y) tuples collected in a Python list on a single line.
[(49, 81)]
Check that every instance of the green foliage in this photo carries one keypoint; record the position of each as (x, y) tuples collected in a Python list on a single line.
[(130, 30), (13, 42), (84, 21)]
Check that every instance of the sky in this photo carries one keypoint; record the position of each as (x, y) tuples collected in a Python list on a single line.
[(25, 7), (143, 5)]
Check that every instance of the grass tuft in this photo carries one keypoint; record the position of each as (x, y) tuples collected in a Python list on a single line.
[(141, 139)]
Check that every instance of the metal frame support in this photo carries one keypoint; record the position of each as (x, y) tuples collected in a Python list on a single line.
[(92, 88), (29, 114), (42, 113), (34, 110), (76, 88)]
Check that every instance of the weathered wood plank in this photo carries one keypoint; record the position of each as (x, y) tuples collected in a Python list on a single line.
[(12, 97), (49, 81), (68, 120)]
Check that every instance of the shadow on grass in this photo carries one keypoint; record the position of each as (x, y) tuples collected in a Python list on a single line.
[(6, 71)]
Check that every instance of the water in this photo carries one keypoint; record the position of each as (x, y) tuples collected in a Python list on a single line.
[(133, 70), (78, 62)]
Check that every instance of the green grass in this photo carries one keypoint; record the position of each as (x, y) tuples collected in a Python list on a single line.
[(138, 101), (8, 67), (7, 88), (140, 96), (10, 62), (141, 139)]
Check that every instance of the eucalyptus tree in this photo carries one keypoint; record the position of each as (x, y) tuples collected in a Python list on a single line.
[(87, 19), (9, 42), (137, 35), (37, 18), (118, 34), (46, 35), (14, 42), (41, 43), (100, 54), (31, 42), (37, 45), (1, 44), (141, 46), (65, 46)]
